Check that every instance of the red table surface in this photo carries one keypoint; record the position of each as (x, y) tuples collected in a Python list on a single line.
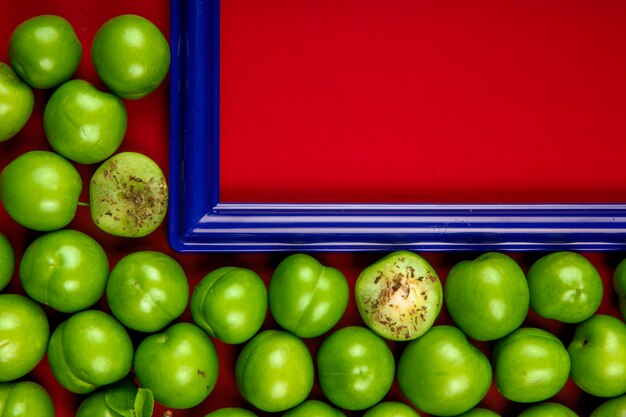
[(148, 133)]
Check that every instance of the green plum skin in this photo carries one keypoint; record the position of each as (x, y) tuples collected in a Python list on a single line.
[(619, 284), (549, 409), (16, 101), (24, 332), (131, 56), (480, 412), (7, 261), (231, 412), (84, 124), (598, 355), (611, 408), (355, 367), (391, 409), (564, 286), (40, 190), (128, 195), (25, 399), (178, 365), (274, 371), (313, 408), (488, 297), (230, 304), (531, 365), (147, 290), (89, 350), (45, 51), (66, 270), (305, 297), (95, 406), (399, 296), (441, 373)]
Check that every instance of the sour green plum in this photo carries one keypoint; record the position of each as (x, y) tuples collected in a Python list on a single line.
[(95, 406), (89, 350), (400, 296), (16, 103), (131, 56), (619, 284), (480, 412), (356, 368), (274, 371), (313, 408), (179, 365), (306, 297), (66, 270), (7, 261), (45, 51), (24, 333), (598, 356), (40, 190), (564, 286), (549, 409), (231, 412), (611, 408), (25, 399), (391, 409), (442, 373), (230, 304), (147, 290), (487, 297), (531, 365)]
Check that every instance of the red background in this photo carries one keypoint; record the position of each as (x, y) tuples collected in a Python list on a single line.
[(350, 101), (423, 101)]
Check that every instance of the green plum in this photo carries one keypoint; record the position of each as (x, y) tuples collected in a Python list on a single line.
[(128, 195), (274, 371), (230, 304), (16, 103), (305, 297), (564, 286), (611, 408), (83, 123), (313, 408), (25, 399), (391, 409), (549, 409), (400, 296), (598, 356), (89, 350), (147, 290), (231, 412), (619, 284), (178, 365), (487, 297), (131, 56), (121, 399), (95, 406), (40, 190), (24, 333), (66, 270), (480, 412), (531, 365), (45, 51), (7, 261), (356, 368), (443, 374)]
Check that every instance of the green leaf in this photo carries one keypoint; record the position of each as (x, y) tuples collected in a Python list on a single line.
[(144, 403), (120, 397)]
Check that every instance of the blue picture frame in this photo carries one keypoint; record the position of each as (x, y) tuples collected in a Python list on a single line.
[(200, 222)]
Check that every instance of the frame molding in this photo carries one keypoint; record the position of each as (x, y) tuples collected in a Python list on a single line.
[(200, 222)]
